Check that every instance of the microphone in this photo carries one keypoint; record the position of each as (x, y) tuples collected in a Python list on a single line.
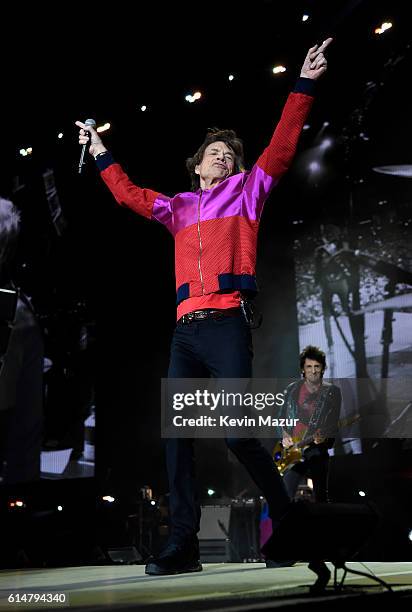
[(91, 122)]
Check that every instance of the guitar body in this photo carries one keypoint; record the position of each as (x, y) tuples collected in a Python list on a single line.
[(285, 458)]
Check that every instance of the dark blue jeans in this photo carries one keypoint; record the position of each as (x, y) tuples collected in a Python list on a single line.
[(221, 348), (317, 468)]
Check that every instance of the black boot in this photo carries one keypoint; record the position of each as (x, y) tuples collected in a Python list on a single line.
[(177, 558), (323, 574)]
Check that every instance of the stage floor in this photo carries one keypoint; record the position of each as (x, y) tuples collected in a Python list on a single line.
[(228, 586)]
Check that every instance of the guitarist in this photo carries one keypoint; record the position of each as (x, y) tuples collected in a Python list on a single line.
[(317, 406)]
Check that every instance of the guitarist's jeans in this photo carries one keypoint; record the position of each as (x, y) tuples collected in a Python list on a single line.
[(317, 468), (221, 348)]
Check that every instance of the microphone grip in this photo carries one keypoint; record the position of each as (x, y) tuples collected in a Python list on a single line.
[(81, 162)]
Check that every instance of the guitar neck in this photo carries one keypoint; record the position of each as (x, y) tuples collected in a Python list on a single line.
[(304, 442)]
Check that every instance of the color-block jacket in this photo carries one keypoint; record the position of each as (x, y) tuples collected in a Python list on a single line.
[(216, 230)]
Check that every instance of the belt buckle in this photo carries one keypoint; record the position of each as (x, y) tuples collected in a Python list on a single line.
[(188, 318), (201, 314)]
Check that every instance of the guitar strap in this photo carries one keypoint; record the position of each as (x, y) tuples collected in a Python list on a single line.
[(316, 414)]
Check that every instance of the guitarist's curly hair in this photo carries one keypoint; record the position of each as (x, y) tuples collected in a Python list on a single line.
[(315, 353)]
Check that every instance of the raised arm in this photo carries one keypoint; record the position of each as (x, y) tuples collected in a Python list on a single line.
[(146, 202), (278, 155)]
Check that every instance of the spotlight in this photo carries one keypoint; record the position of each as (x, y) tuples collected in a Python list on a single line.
[(305, 17), (306, 127), (362, 493), (326, 144), (25, 152), (210, 492), (60, 135), (153, 503), (385, 26), (16, 503), (231, 77), (410, 535), (193, 97), (143, 108), (278, 69), (108, 498), (103, 128), (59, 508), (314, 166)]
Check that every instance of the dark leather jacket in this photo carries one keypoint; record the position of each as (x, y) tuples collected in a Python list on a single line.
[(325, 415)]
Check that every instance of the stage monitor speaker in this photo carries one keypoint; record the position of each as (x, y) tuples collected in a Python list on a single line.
[(124, 555), (329, 532), (213, 535), (230, 532)]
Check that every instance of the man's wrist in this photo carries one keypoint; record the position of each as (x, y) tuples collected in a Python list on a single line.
[(305, 85), (99, 153), (104, 159)]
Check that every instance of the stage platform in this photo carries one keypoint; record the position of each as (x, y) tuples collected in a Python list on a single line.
[(228, 586)]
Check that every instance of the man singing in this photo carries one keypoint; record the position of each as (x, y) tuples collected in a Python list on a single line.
[(215, 228)]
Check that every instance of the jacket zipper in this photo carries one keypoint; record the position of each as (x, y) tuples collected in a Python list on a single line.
[(200, 244)]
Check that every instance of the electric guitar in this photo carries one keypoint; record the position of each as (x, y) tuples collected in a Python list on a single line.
[(285, 458)]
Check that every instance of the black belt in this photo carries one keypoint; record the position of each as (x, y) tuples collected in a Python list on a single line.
[(200, 315)]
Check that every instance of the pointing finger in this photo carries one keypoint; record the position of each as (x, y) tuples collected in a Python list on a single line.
[(325, 44)]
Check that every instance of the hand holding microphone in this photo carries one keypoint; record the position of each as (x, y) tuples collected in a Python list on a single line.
[(88, 135)]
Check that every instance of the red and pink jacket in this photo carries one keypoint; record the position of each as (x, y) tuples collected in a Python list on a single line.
[(215, 230)]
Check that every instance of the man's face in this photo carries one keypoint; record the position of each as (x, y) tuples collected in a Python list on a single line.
[(312, 371), (218, 162)]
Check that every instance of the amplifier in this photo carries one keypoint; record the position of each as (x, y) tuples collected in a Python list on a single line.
[(230, 533)]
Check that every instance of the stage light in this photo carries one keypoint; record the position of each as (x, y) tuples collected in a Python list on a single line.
[(306, 127), (314, 166), (210, 492), (385, 26), (362, 493), (410, 535), (153, 503), (16, 503), (143, 108), (231, 77), (310, 483), (103, 128), (60, 135), (193, 97), (108, 498), (59, 508), (305, 17), (325, 124), (25, 152), (326, 144), (278, 69)]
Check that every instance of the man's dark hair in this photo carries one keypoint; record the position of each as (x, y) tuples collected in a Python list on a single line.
[(213, 135), (9, 231), (315, 353)]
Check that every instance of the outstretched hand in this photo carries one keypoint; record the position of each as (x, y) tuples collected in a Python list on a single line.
[(89, 134), (315, 63)]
